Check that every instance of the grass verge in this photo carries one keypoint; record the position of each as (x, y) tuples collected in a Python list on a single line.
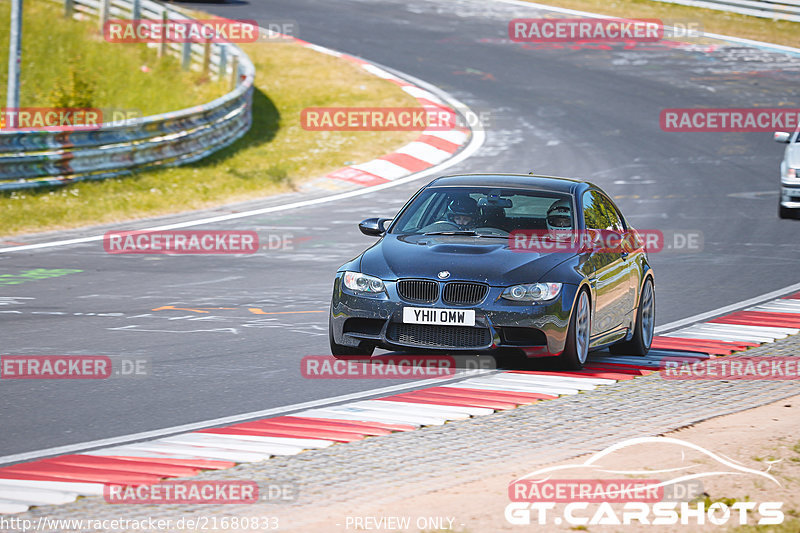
[(66, 63), (274, 155), (712, 21)]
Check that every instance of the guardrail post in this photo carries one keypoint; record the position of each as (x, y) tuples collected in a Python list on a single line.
[(186, 59), (14, 61), (223, 61), (69, 8), (104, 8), (136, 10), (162, 47), (235, 72), (206, 57)]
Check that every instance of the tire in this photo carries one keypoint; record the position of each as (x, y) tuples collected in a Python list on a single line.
[(785, 212), (576, 349), (645, 324), (340, 350)]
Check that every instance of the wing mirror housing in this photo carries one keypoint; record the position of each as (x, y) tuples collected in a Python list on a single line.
[(374, 227), (781, 137)]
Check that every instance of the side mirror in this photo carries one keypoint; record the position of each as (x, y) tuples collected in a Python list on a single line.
[(781, 137), (373, 226)]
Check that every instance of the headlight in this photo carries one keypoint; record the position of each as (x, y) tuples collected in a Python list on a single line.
[(356, 281), (532, 292)]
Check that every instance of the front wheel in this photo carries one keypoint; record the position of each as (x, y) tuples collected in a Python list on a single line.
[(576, 349), (645, 324)]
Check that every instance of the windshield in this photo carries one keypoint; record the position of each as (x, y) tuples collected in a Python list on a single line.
[(483, 212)]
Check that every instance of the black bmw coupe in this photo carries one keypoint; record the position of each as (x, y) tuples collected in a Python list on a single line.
[(479, 262)]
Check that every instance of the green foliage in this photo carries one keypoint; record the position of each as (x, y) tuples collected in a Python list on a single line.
[(67, 63), (76, 90)]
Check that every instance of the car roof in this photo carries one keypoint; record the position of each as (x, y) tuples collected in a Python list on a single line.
[(515, 181)]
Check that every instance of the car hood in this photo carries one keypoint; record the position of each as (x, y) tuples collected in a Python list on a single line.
[(466, 258)]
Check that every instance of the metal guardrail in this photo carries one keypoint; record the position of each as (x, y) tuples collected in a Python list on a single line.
[(32, 159), (772, 9)]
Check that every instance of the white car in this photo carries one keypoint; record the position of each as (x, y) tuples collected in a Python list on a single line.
[(789, 206)]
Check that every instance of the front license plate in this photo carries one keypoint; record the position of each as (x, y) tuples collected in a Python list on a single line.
[(438, 317)]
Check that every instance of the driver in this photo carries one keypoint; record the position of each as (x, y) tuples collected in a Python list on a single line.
[(559, 219), (463, 212)]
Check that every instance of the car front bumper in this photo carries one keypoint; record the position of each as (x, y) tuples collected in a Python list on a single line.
[(538, 329), (790, 195)]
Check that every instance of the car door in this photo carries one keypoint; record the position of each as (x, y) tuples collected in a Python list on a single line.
[(611, 269), (631, 256)]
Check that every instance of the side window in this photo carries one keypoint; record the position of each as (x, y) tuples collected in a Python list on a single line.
[(600, 213)]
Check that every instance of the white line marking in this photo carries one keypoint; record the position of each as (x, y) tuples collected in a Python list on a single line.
[(324, 50), (380, 72), (416, 92), (84, 489), (33, 496), (9, 507)]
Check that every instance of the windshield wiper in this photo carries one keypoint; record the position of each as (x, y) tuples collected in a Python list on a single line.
[(453, 232), (469, 233)]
